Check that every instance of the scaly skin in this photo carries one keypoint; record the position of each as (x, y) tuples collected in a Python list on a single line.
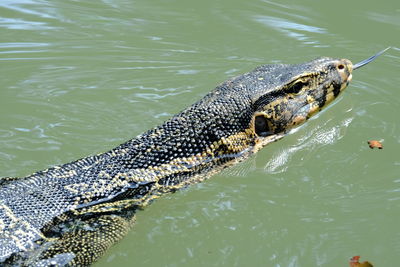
[(71, 214)]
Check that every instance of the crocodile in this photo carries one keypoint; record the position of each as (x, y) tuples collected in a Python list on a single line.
[(69, 215)]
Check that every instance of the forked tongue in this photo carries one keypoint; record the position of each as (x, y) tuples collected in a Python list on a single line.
[(368, 60)]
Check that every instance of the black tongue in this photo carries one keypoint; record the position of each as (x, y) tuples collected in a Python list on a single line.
[(368, 60)]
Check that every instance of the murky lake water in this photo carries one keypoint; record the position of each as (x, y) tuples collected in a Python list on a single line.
[(80, 77)]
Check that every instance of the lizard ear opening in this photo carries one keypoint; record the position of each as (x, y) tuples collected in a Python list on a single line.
[(261, 126)]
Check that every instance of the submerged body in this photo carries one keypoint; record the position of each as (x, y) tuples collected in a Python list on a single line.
[(71, 214)]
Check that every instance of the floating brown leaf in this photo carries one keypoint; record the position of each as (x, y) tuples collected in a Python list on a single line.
[(374, 144), (354, 262)]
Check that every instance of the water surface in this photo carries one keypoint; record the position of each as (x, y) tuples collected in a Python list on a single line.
[(79, 78)]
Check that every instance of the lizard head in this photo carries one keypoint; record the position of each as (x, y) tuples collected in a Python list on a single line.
[(296, 92)]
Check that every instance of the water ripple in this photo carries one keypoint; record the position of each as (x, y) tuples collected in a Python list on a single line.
[(23, 45), (290, 28), (25, 6), (384, 18), (20, 24), (309, 141)]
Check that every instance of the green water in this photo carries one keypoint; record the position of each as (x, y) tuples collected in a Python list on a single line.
[(80, 77)]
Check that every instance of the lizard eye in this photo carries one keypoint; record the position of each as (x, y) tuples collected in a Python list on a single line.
[(296, 87), (261, 126)]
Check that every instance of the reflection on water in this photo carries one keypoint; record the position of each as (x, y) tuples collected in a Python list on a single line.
[(18, 24), (307, 143), (292, 29), (80, 77), (28, 7)]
